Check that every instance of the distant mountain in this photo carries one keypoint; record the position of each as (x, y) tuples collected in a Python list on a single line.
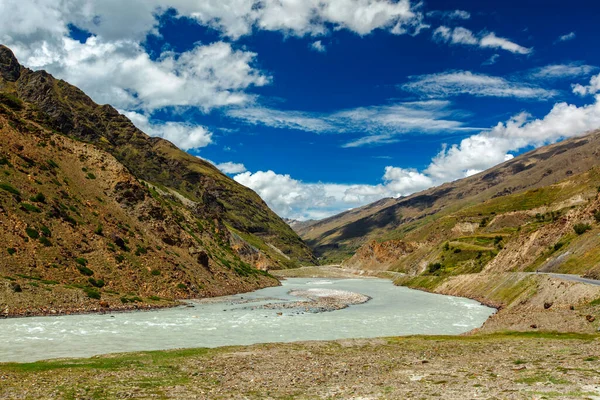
[(299, 225), (337, 238), (96, 214)]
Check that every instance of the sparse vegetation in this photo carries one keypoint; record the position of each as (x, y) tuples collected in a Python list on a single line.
[(85, 270), (92, 293), (32, 233), (38, 198), (99, 283), (581, 228), (8, 188), (30, 208)]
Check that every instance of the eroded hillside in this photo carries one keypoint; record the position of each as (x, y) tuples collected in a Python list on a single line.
[(338, 237), (97, 215)]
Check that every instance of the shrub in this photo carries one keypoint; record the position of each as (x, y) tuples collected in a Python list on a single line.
[(99, 283), (597, 216), (11, 101), (30, 208), (9, 189), (182, 286), (558, 246), (45, 241), (581, 228), (81, 261), (134, 299), (446, 246), (46, 231), (484, 222), (38, 198), (155, 272), (92, 293), (85, 270), (457, 251), (52, 164), (11, 250), (155, 298), (91, 176), (120, 257), (433, 268), (32, 233), (498, 239), (99, 230)]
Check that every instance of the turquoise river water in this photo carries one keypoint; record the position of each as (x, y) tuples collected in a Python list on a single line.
[(239, 320)]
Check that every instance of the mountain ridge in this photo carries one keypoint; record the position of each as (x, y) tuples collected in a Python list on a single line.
[(94, 211)]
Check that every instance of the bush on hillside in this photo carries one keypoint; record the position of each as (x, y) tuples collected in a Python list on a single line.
[(581, 228)]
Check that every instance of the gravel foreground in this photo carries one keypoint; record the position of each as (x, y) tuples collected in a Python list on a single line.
[(499, 366)]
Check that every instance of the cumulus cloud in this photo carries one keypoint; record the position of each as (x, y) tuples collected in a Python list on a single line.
[(134, 19), (294, 199), (318, 46), (465, 82), (122, 73), (231, 167), (381, 124), (464, 36), (183, 135), (592, 88)]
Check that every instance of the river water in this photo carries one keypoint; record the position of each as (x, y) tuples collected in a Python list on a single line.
[(239, 320)]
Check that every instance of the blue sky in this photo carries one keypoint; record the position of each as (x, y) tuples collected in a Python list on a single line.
[(321, 106)]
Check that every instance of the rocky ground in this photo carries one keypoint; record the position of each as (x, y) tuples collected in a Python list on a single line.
[(500, 366), (320, 300)]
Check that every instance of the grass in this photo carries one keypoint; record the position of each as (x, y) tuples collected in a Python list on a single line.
[(10, 189), (30, 208), (32, 233)]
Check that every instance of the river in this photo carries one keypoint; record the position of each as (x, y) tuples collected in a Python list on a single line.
[(242, 320)]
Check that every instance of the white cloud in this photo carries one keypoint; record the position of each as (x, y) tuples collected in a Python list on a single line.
[(231, 167), (295, 199), (486, 149), (492, 60), (493, 41), (562, 71), (318, 46), (455, 14), (465, 82), (381, 124), (183, 135), (457, 35), (133, 19), (291, 198), (592, 88), (464, 36), (566, 37), (122, 74)]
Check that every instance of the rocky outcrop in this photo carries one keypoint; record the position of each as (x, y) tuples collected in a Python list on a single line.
[(10, 69), (380, 256)]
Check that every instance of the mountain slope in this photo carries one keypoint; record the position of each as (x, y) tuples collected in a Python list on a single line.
[(94, 213), (337, 237)]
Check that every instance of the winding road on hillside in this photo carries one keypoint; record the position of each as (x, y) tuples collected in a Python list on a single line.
[(574, 278)]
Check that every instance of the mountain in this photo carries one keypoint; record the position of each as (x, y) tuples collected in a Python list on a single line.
[(338, 237), (96, 214)]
